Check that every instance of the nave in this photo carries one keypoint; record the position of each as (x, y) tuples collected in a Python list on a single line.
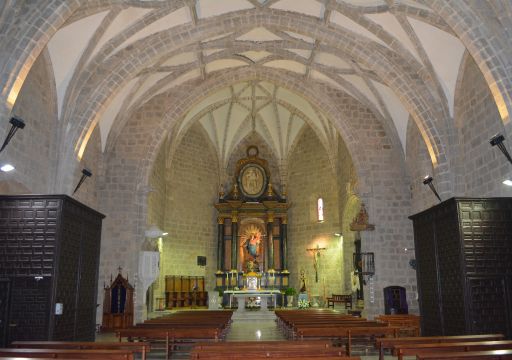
[(293, 335)]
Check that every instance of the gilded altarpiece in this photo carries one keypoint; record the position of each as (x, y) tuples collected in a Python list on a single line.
[(252, 233)]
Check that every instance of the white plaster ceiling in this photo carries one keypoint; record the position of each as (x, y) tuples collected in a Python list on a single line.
[(277, 114), (84, 46)]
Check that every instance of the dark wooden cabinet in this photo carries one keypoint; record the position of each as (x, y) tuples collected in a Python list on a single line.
[(49, 254), (464, 266)]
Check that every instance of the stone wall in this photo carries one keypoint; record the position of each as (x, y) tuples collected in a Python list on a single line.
[(349, 207), (32, 151), (156, 215), (418, 166), (93, 161), (190, 218), (310, 177), (477, 119)]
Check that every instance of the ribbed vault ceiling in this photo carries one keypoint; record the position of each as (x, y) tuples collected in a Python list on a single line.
[(402, 29)]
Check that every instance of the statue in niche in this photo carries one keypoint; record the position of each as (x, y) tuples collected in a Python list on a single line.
[(251, 242)]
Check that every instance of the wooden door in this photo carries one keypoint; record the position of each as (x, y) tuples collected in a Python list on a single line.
[(489, 310), (29, 312), (4, 308)]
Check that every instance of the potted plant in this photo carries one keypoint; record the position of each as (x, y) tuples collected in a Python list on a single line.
[(289, 292)]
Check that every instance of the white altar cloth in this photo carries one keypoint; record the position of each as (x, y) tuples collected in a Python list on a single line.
[(242, 314)]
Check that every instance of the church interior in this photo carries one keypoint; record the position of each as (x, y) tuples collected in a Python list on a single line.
[(256, 158)]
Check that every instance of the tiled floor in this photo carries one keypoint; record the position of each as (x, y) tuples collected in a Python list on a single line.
[(254, 331)]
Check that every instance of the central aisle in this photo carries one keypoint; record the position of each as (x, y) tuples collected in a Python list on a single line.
[(254, 330)]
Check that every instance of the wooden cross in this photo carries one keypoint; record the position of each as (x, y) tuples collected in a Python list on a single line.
[(316, 256)]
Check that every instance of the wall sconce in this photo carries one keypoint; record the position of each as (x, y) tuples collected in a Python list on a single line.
[(497, 140), (427, 180), (154, 232), (85, 174), (16, 123)]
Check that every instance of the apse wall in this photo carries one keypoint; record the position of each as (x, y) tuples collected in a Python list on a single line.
[(190, 218), (310, 176)]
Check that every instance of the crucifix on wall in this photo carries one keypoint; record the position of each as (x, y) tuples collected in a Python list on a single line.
[(316, 258)]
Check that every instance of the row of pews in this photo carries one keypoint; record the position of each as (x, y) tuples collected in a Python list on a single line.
[(325, 324), (284, 350), (182, 328), (487, 346), (169, 332), (75, 350)]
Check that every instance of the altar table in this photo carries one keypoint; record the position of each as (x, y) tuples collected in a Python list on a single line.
[(242, 314)]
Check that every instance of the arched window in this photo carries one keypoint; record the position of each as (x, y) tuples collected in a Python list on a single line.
[(320, 209)]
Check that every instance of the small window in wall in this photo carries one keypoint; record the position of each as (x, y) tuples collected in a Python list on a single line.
[(320, 209)]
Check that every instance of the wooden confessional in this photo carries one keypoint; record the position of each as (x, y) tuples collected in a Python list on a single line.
[(118, 305)]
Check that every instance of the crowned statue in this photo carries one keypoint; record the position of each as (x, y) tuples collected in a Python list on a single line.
[(251, 244)]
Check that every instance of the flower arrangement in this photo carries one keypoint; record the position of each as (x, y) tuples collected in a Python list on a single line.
[(303, 304)]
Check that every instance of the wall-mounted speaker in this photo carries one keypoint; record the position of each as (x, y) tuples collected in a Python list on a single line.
[(201, 260)]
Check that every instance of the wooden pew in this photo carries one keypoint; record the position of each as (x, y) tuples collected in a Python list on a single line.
[(388, 343), (171, 336), (267, 349), (468, 355), (213, 346), (289, 321), (68, 354), (266, 353), (282, 356), (413, 349), (134, 347), (408, 324), (339, 333)]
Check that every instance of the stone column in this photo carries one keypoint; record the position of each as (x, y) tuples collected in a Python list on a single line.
[(270, 242), (234, 240), (220, 244), (284, 243)]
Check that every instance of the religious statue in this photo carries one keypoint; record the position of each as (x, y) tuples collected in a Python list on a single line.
[(361, 221), (303, 279), (251, 242)]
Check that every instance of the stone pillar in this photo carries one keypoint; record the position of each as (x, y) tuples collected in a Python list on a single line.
[(220, 244), (284, 243), (270, 242), (234, 240)]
